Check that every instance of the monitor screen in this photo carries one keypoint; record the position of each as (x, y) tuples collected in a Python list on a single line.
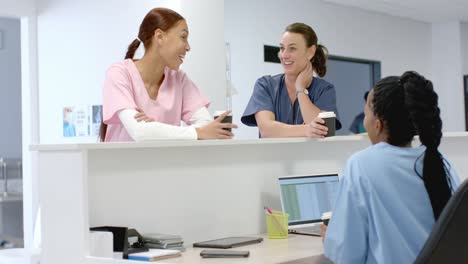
[(306, 198)]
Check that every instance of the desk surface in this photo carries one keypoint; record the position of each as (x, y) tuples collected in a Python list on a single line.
[(293, 249)]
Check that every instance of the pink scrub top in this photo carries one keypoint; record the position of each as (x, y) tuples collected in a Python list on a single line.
[(178, 98)]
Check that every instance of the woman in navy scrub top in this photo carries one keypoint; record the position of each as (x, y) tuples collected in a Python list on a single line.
[(287, 105)]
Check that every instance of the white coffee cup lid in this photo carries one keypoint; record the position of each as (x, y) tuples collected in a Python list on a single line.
[(326, 114), (220, 112), (327, 215)]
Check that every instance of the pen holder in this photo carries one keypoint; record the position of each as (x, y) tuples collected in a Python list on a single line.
[(277, 224)]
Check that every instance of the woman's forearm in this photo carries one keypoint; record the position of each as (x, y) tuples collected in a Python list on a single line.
[(309, 110), (275, 129), (144, 131)]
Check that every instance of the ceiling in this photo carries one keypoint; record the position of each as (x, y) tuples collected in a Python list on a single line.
[(423, 10)]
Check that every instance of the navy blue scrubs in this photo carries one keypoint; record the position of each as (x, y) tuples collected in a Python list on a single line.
[(270, 94)]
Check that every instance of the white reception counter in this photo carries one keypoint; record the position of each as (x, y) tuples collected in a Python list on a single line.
[(199, 189)]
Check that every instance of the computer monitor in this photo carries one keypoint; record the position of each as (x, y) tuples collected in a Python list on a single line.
[(306, 197)]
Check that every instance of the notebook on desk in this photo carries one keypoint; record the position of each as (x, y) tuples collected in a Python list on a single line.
[(305, 198), (154, 254)]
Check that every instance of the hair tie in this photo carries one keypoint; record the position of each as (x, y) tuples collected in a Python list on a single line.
[(139, 39)]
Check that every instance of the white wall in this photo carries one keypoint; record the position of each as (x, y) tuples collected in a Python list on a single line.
[(464, 45), (206, 64), (447, 74), (30, 124), (400, 44), (17, 8), (79, 40)]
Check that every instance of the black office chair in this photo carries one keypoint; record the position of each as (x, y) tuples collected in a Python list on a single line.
[(448, 241)]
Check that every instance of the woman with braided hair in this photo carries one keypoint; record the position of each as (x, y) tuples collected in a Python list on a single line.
[(392, 193)]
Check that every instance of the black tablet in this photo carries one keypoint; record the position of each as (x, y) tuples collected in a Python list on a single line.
[(228, 242)]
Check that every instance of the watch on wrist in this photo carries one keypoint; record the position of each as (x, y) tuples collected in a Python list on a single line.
[(298, 91)]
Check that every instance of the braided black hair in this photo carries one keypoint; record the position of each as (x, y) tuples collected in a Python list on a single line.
[(408, 105)]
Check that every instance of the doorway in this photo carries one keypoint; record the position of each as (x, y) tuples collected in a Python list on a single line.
[(352, 79), (11, 182)]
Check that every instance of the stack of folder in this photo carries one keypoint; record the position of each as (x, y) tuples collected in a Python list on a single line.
[(163, 241)]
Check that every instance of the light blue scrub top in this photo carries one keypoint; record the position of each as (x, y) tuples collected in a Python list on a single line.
[(383, 213), (270, 93)]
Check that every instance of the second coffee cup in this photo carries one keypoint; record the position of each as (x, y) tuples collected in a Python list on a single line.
[(330, 121), (227, 119)]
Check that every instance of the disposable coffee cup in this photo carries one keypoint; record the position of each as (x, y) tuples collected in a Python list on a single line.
[(227, 119), (326, 217), (330, 121)]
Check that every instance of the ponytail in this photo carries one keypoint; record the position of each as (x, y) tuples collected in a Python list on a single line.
[(319, 61), (421, 102), (102, 131), (132, 49), (407, 105)]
